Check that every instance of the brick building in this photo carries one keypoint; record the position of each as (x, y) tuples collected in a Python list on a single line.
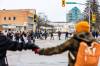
[(19, 19)]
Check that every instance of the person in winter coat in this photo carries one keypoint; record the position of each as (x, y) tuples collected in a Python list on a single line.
[(59, 35), (51, 35), (66, 35), (72, 44), (8, 44)]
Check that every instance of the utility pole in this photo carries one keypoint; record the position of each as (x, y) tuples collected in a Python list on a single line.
[(89, 14)]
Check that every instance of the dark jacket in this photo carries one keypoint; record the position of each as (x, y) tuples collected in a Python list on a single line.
[(70, 45), (7, 44)]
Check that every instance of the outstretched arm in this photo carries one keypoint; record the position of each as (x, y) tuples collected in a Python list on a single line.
[(58, 49), (8, 44)]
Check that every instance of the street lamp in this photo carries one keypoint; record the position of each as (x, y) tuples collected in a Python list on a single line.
[(45, 20)]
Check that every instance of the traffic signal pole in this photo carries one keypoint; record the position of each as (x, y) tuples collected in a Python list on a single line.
[(89, 16)]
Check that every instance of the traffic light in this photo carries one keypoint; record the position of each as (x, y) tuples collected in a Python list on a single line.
[(35, 18), (93, 18), (63, 3)]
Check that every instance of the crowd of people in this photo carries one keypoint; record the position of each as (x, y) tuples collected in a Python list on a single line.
[(26, 37), (30, 36)]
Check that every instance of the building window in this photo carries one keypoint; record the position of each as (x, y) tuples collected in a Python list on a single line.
[(4, 18), (14, 18), (9, 18)]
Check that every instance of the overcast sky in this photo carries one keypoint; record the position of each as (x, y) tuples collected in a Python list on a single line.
[(52, 8)]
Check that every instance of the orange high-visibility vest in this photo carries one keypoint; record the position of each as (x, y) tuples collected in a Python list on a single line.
[(86, 58)]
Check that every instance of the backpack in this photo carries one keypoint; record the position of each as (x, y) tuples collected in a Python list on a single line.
[(88, 55)]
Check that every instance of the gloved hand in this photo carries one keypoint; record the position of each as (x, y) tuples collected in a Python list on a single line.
[(37, 50)]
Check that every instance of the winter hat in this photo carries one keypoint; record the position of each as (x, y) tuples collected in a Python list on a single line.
[(82, 26)]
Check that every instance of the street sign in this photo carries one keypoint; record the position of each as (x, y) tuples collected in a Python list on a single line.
[(63, 3), (71, 3)]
